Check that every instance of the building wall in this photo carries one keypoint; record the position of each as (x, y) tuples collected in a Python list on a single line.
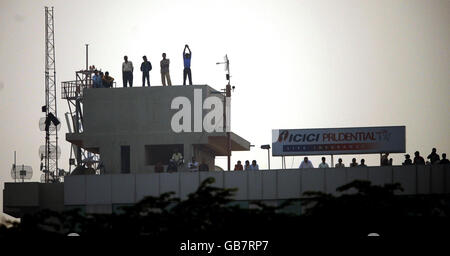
[(107, 193), (266, 185), (28, 197)]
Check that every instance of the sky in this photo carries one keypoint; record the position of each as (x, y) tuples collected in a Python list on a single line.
[(295, 64)]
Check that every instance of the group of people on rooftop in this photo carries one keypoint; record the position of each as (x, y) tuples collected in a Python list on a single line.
[(307, 164), (176, 161), (105, 81), (385, 161), (419, 160), (247, 167)]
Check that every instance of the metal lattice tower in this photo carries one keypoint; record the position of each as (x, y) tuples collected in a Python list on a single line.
[(72, 91), (51, 137)]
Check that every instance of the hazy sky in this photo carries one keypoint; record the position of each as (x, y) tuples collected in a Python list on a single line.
[(295, 64)]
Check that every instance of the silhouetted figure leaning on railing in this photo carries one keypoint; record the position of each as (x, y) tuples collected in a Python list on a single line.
[(107, 80), (434, 157)]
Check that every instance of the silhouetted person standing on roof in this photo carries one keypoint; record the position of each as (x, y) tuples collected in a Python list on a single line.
[(97, 80), (323, 164), (434, 158), (418, 160), (306, 164), (146, 66), (339, 164), (187, 65), (165, 70), (408, 160), (384, 159), (444, 159), (127, 72), (354, 163)]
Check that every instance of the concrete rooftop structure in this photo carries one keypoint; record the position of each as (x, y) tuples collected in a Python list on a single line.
[(139, 118)]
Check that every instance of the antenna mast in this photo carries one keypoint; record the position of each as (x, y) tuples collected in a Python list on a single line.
[(227, 101), (51, 135)]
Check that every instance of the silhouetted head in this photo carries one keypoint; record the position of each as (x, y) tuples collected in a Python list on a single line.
[(187, 55), (247, 162), (125, 58), (305, 159), (323, 159), (433, 150), (239, 162), (407, 156), (340, 160), (164, 55), (417, 153), (106, 73), (444, 156), (363, 161), (145, 58), (254, 162), (354, 160)]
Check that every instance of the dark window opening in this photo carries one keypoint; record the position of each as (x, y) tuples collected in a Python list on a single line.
[(161, 153), (125, 159)]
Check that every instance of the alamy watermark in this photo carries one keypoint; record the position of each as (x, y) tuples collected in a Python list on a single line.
[(213, 120)]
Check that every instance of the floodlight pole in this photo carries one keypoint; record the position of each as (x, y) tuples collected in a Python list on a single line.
[(268, 153)]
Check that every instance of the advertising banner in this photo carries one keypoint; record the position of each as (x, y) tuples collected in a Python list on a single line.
[(338, 141)]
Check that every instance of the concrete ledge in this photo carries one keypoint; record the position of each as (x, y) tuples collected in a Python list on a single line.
[(99, 193)]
